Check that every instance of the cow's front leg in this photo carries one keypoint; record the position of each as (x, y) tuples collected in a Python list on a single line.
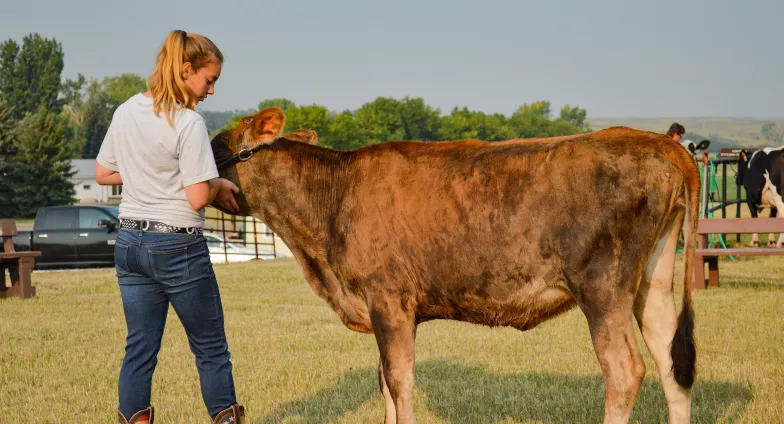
[(395, 332), (780, 243)]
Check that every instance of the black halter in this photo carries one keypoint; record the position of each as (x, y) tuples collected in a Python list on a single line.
[(241, 156)]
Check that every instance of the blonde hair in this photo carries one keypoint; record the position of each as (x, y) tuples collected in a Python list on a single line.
[(168, 89)]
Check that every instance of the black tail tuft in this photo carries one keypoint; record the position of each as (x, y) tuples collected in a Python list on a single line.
[(684, 355)]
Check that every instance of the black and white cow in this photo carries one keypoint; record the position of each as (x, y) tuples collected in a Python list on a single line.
[(763, 178)]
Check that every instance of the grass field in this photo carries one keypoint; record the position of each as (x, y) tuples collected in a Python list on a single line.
[(294, 362)]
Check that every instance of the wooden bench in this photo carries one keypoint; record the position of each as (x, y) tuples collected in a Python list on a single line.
[(19, 265), (705, 254)]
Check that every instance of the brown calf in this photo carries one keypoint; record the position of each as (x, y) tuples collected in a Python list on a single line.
[(510, 233)]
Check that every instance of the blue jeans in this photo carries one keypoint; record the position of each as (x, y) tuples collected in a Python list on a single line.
[(155, 269)]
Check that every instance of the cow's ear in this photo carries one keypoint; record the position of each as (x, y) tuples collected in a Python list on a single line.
[(267, 125), (303, 136), (703, 145)]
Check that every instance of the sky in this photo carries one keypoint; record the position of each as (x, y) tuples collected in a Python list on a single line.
[(614, 58)]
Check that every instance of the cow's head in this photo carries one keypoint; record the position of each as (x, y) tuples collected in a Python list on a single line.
[(693, 148), (262, 127), (253, 131)]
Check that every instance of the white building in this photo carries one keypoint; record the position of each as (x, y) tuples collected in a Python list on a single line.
[(87, 189)]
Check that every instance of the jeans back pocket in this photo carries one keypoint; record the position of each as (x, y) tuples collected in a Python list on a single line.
[(169, 266)]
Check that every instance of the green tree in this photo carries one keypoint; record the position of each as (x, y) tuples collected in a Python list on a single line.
[(282, 103), (7, 125), (532, 120), (73, 113), (576, 117), (121, 88), (344, 132), (72, 91), (40, 171), (94, 115), (420, 121), (387, 119), (496, 128), (563, 127), (462, 124), (30, 75), (381, 120), (312, 117), (7, 149)]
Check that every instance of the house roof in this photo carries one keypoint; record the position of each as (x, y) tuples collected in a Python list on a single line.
[(85, 169)]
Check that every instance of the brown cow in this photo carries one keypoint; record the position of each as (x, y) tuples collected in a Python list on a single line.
[(510, 233)]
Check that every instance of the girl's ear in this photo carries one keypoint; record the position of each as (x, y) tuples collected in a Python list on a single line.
[(187, 70)]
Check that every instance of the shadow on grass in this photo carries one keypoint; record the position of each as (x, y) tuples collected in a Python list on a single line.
[(458, 393)]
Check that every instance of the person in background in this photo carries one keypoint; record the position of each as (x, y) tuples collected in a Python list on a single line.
[(676, 131)]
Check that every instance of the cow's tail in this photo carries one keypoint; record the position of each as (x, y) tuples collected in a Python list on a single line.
[(683, 352)]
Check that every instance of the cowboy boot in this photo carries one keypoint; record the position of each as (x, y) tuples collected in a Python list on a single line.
[(235, 414), (145, 416)]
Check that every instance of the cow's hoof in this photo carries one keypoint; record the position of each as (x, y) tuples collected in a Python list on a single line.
[(754, 244)]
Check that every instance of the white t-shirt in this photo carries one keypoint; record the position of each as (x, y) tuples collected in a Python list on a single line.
[(157, 162)]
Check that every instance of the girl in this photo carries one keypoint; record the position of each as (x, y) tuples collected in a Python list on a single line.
[(158, 148)]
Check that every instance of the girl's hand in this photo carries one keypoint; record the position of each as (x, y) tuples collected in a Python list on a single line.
[(225, 195)]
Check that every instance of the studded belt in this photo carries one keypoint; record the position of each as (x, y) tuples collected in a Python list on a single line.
[(157, 227)]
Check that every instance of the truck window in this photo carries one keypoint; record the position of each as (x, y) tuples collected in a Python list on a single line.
[(113, 211), (88, 217), (58, 219)]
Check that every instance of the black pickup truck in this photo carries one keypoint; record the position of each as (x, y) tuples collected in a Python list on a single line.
[(72, 236)]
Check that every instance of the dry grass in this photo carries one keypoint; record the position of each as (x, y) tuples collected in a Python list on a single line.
[(294, 361)]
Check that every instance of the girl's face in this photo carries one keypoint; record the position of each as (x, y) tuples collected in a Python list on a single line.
[(202, 81)]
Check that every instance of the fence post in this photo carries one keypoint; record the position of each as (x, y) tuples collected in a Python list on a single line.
[(705, 185), (223, 235), (255, 237), (723, 195), (737, 207)]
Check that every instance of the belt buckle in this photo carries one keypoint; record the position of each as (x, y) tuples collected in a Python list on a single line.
[(144, 225)]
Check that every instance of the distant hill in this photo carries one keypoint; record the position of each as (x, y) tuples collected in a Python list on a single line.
[(721, 131)]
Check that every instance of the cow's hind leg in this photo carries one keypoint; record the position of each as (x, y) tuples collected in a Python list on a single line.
[(395, 331), (654, 309), (389, 404)]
